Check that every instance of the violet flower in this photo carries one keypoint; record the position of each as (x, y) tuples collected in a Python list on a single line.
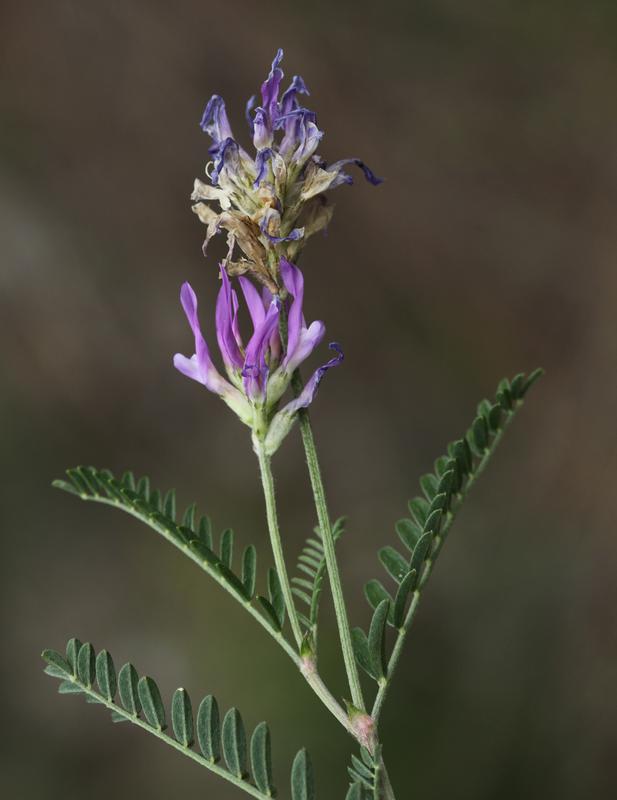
[(274, 201), (259, 372)]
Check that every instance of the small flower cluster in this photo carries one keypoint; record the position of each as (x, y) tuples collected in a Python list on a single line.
[(260, 372), (277, 197), (269, 206)]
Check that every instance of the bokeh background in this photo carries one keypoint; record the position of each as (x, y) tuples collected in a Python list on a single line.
[(490, 249)]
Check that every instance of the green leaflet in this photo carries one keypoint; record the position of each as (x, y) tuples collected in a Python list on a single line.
[(377, 640), (261, 759), (151, 702), (141, 703), (86, 670), (127, 689), (359, 642), (302, 782), (209, 728), (106, 675), (277, 600), (234, 743), (249, 570), (365, 775), (182, 717)]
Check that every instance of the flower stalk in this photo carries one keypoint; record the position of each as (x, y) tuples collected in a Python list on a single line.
[(267, 481)]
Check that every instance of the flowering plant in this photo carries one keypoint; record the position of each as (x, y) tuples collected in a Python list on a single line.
[(269, 205)]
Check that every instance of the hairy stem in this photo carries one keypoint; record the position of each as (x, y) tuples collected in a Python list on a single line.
[(325, 528), (267, 481)]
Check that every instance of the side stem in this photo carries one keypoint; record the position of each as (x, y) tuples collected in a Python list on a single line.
[(325, 528), (267, 481)]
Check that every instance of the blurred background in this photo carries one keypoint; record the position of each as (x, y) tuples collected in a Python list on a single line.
[(490, 249)]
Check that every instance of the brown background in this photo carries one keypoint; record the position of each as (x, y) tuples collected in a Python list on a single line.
[(489, 249)]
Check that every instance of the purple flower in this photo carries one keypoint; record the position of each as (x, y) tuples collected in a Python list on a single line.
[(285, 176), (258, 373)]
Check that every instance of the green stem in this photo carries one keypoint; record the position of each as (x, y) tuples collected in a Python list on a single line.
[(439, 540), (267, 481), (328, 543), (387, 786)]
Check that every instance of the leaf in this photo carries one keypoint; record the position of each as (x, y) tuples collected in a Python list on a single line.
[(127, 688), (355, 792), (85, 664), (234, 743), (375, 593), (302, 782), (169, 505), (275, 590), (106, 675), (270, 614), (204, 532), (419, 509), (420, 553), (359, 642), (151, 702), (408, 532), (249, 569), (209, 728), (68, 687), (261, 759), (227, 547), (72, 649), (188, 518), (407, 585), (377, 639), (429, 484), (182, 717), (480, 433), (61, 667), (394, 562)]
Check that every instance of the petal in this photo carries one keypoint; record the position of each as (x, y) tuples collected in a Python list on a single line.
[(199, 367), (307, 341), (270, 87), (293, 280), (368, 173), (262, 130), (256, 370), (225, 155), (305, 398), (289, 100), (261, 165), (254, 302), (248, 108), (227, 332), (214, 120)]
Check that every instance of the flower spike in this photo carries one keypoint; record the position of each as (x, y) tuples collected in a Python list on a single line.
[(259, 373), (279, 193)]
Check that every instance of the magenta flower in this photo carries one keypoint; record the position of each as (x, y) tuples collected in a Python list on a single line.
[(259, 373)]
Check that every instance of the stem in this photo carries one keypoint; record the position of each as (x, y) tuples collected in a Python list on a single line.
[(325, 528), (439, 540), (387, 786), (267, 481)]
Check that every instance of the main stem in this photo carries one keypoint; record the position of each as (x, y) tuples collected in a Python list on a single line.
[(267, 481), (328, 544)]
